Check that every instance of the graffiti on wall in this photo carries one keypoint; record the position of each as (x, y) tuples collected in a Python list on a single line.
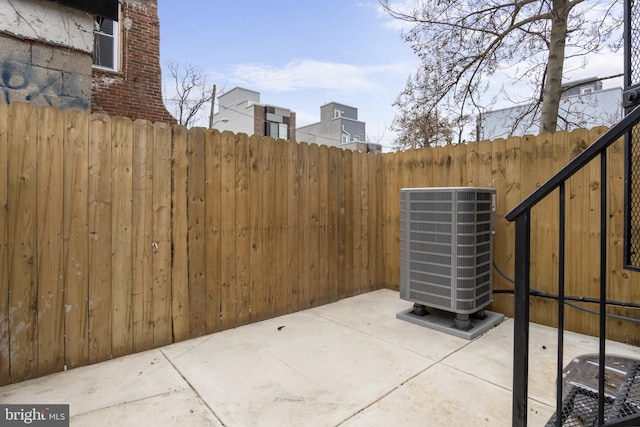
[(40, 86)]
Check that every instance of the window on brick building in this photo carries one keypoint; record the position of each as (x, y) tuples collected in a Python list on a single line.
[(105, 43), (277, 130)]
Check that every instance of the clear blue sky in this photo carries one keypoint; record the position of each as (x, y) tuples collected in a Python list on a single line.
[(297, 54)]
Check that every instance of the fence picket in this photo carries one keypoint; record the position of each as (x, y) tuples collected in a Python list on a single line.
[(347, 288), (502, 303), (257, 233), (228, 290), (545, 216), (197, 245), (473, 165), (322, 294), (76, 265), (122, 237), (269, 215), (379, 209), (49, 237), (99, 211), (391, 222), (372, 221), (620, 282), (213, 212), (242, 230), (584, 261), (161, 234), (179, 232), (293, 228), (4, 248), (23, 280), (313, 223), (332, 210), (303, 218), (142, 216), (359, 213), (281, 297)]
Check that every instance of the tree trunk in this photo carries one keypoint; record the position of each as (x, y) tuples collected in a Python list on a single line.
[(553, 83)]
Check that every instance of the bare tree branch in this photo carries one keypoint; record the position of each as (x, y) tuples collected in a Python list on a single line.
[(462, 44), (192, 92)]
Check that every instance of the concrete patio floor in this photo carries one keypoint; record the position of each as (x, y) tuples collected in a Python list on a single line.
[(350, 363)]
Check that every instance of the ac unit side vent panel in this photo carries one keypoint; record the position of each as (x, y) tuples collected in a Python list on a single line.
[(446, 247)]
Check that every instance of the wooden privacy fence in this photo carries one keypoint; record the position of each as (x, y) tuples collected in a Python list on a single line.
[(120, 236), (515, 167)]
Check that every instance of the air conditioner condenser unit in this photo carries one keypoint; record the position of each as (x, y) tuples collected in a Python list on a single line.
[(446, 248)]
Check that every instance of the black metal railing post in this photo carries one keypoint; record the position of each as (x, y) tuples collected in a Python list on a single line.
[(521, 319), (561, 265)]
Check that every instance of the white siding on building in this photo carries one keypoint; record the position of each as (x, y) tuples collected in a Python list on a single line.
[(601, 108)]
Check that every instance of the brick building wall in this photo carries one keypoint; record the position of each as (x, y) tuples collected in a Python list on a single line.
[(292, 127), (258, 120), (135, 90)]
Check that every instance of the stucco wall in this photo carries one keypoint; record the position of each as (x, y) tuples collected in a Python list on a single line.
[(45, 54), (47, 22), (240, 119)]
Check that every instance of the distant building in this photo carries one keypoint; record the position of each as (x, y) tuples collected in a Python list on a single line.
[(584, 104), (339, 126), (240, 111)]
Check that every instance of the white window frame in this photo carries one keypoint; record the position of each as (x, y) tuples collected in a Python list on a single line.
[(283, 131), (587, 90), (116, 45)]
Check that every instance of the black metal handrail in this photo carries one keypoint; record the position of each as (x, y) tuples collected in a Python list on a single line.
[(521, 214)]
